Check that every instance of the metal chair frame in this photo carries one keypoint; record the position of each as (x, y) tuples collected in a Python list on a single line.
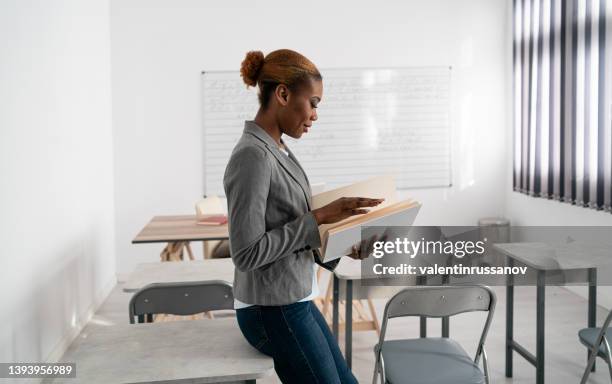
[(595, 352), (449, 301)]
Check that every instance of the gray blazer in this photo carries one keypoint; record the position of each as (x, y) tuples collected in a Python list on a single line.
[(273, 235)]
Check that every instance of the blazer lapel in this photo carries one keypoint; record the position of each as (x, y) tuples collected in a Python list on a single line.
[(290, 164), (306, 184)]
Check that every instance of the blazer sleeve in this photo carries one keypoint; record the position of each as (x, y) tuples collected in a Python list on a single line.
[(247, 183), (330, 265)]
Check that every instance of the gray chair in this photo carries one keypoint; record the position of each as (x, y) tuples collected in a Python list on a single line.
[(180, 299), (596, 340), (433, 360)]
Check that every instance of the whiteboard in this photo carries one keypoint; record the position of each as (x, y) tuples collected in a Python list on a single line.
[(371, 122)]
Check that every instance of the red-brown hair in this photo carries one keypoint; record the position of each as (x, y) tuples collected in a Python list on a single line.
[(283, 66)]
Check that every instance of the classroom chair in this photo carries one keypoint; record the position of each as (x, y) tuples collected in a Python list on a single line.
[(433, 360), (212, 205), (596, 340), (185, 298)]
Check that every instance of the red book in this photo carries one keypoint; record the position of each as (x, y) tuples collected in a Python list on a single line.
[(213, 220)]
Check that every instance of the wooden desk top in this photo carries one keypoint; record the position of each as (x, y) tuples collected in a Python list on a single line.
[(177, 352), (179, 271), (165, 229)]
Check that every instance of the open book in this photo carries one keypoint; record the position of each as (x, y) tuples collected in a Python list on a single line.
[(338, 238)]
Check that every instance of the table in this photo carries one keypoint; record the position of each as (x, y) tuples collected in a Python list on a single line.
[(178, 352), (173, 272), (178, 231), (165, 229), (546, 259)]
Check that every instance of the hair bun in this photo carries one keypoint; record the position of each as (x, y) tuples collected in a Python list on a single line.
[(251, 66)]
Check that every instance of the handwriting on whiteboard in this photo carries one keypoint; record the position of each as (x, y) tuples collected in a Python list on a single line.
[(371, 122)]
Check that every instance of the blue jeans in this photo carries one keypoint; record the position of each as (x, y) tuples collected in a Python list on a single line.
[(297, 337)]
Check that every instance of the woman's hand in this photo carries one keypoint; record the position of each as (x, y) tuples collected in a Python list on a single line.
[(342, 208), (363, 249)]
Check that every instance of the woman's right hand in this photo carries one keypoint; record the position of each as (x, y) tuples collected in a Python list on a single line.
[(342, 208)]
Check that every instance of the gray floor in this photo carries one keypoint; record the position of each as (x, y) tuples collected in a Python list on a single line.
[(565, 315)]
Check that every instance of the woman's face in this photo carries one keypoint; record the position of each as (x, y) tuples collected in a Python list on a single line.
[(300, 109)]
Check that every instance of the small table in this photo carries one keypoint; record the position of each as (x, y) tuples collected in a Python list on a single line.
[(166, 229), (187, 271), (178, 231), (179, 352), (546, 259)]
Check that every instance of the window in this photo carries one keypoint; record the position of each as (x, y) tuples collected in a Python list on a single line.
[(563, 100)]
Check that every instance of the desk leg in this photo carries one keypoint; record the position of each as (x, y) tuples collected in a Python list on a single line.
[(540, 299), (445, 319), (422, 280), (348, 324), (423, 327), (335, 298), (509, 321), (445, 327), (592, 316)]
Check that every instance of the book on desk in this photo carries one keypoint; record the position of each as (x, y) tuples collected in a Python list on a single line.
[(212, 220), (337, 239)]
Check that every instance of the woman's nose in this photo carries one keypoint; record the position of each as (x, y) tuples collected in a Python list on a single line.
[(314, 116)]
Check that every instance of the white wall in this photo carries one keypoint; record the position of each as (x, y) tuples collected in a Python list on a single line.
[(56, 198), (160, 47)]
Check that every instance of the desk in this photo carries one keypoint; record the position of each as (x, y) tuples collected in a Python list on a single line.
[(194, 270), (165, 229), (546, 259), (177, 352), (178, 231)]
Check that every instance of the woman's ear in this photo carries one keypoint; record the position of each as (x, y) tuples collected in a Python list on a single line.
[(282, 94)]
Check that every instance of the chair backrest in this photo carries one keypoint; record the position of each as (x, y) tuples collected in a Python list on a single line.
[(210, 205), (181, 298), (439, 301), (606, 323)]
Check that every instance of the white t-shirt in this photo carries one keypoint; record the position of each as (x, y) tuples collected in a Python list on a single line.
[(315, 284)]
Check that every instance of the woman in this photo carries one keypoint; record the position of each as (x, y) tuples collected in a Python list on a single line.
[(273, 228)]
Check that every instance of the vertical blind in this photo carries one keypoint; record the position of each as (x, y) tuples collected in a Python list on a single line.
[(562, 56)]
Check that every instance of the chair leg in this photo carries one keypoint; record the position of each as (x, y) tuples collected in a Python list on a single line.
[(376, 364), (172, 252), (375, 372), (590, 363), (189, 251), (608, 353)]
